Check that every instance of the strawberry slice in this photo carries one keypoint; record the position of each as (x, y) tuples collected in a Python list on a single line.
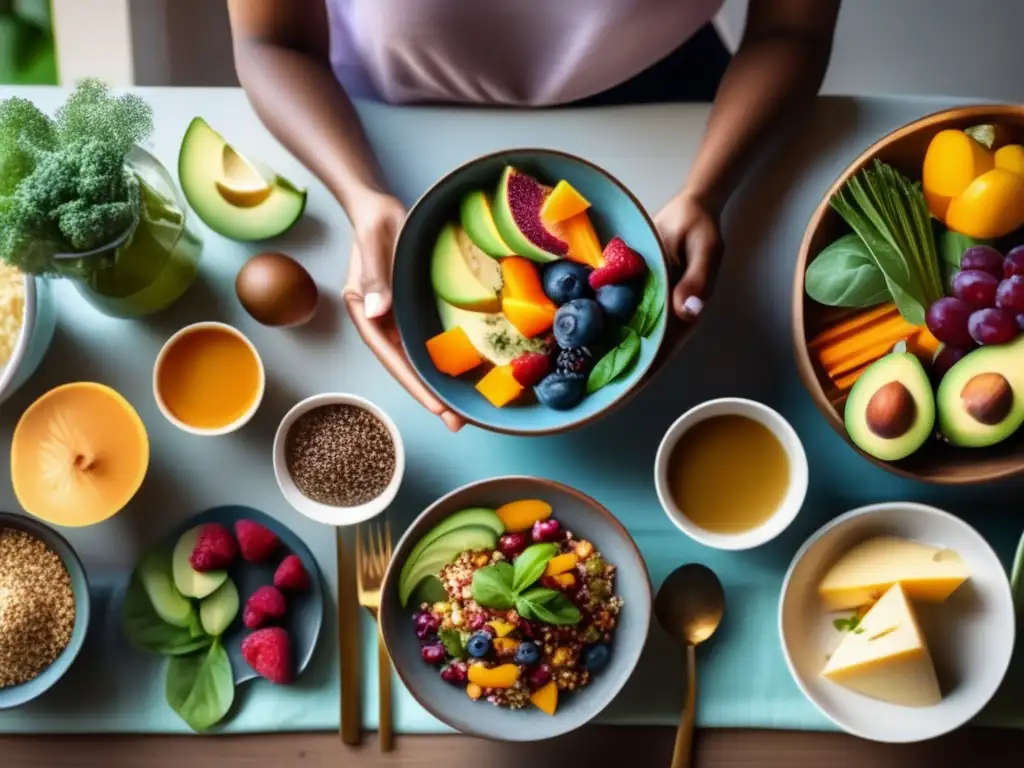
[(530, 367), (621, 264)]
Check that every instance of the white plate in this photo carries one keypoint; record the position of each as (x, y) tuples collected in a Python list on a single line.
[(971, 635)]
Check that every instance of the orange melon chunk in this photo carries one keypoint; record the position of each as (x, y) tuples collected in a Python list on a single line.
[(524, 302), (453, 353), (501, 628), (563, 203), (502, 676), (528, 318), (584, 245), (545, 698), (499, 386), (505, 646), (560, 564), (520, 516)]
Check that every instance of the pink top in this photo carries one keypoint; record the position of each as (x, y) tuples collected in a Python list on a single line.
[(510, 52)]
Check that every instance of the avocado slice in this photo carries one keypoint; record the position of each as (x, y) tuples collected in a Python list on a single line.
[(230, 194), (981, 398), (440, 552), (890, 412), (464, 518), (493, 336), (517, 205), (189, 581), (478, 221), (218, 610), (462, 274), (167, 601)]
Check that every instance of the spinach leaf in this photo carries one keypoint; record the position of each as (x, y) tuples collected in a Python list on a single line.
[(615, 361), (200, 687), (548, 606), (530, 565), (845, 275), (453, 642), (145, 629), (492, 586), (648, 312)]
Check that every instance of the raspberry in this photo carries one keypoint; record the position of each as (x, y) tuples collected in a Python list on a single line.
[(269, 652), (530, 367), (215, 548), (621, 264), (575, 361), (291, 574), (252, 619), (256, 542), (265, 604)]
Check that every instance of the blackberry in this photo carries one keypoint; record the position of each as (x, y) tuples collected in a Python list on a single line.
[(575, 361)]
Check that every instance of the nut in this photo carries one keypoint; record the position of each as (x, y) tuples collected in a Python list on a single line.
[(987, 398), (891, 411)]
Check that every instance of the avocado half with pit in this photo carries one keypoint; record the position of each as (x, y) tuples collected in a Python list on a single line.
[(981, 398), (229, 193), (890, 412)]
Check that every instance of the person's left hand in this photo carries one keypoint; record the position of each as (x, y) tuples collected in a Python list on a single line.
[(689, 228)]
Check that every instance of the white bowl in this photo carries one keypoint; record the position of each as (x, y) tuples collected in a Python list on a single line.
[(238, 423), (39, 320), (795, 493), (326, 513), (970, 636)]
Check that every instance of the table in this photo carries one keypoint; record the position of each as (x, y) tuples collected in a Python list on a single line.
[(650, 149)]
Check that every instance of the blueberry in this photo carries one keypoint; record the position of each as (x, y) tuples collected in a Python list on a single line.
[(578, 323), (527, 653), (595, 658), (619, 301), (560, 390), (565, 281), (479, 644)]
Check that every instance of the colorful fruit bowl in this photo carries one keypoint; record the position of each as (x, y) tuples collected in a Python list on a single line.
[(515, 608), (908, 310), (530, 291)]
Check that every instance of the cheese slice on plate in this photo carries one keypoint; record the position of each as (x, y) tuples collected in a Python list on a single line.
[(863, 574), (885, 657)]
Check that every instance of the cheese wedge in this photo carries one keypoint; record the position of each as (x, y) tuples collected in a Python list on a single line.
[(863, 574), (885, 657)]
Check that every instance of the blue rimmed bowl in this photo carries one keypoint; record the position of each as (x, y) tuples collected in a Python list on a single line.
[(614, 211), (38, 324), (16, 695)]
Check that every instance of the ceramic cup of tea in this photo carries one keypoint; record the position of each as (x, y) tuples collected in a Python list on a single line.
[(208, 379), (731, 473)]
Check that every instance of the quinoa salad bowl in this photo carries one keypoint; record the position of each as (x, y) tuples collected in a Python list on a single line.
[(28, 318), (515, 608)]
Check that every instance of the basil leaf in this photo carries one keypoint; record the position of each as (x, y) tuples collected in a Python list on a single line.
[(845, 275), (200, 687), (145, 629), (492, 587), (453, 643), (548, 606), (615, 361), (648, 312), (530, 565)]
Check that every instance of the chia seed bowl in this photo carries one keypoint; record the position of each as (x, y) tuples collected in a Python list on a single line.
[(504, 668), (338, 458)]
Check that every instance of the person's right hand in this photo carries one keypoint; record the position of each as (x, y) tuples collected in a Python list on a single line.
[(376, 220)]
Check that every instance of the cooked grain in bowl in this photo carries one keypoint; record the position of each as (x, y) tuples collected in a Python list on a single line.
[(12, 309)]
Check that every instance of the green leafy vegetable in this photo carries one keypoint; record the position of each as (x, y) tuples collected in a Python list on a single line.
[(492, 586), (615, 361), (201, 687), (530, 565), (64, 184), (847, 625), (145, 629), (951, 249), (453, 642), (648, 312), (889, 214), (548, 606), (846, 275)]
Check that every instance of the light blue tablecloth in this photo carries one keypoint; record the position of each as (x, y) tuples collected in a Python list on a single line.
[(742, 348)]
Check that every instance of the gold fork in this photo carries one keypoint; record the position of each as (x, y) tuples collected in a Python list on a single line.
[(372, 557)]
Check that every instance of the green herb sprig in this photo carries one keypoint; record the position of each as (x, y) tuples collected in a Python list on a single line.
[(502, 587)]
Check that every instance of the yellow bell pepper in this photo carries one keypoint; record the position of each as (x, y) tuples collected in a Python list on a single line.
[(970, 188)]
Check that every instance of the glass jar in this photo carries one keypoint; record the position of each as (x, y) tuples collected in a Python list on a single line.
[(156, 260)]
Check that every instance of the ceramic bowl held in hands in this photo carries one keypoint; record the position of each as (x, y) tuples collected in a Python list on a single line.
[(468, 519), (481, 251)]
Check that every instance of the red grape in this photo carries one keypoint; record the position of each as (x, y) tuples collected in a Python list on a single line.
[(947, 320), (983, 257), (993, 326), (1014, 264), (975, 287), (1011, 294), (946, 358)]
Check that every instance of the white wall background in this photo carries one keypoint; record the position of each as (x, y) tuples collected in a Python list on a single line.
[(967, 48)]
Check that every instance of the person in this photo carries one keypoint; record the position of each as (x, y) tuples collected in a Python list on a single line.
[(301, 62)]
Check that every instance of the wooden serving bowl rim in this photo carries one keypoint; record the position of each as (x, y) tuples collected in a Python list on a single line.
[(958, 116)]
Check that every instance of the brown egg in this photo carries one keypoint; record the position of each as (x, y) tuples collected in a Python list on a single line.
[(276, 290)]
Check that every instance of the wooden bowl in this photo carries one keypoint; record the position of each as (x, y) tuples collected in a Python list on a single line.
[(904, 149)]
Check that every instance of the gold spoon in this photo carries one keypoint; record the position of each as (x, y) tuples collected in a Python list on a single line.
[(689, 606)]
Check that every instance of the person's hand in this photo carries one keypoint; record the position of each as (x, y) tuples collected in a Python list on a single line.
[(693, 242), (376, 221)]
